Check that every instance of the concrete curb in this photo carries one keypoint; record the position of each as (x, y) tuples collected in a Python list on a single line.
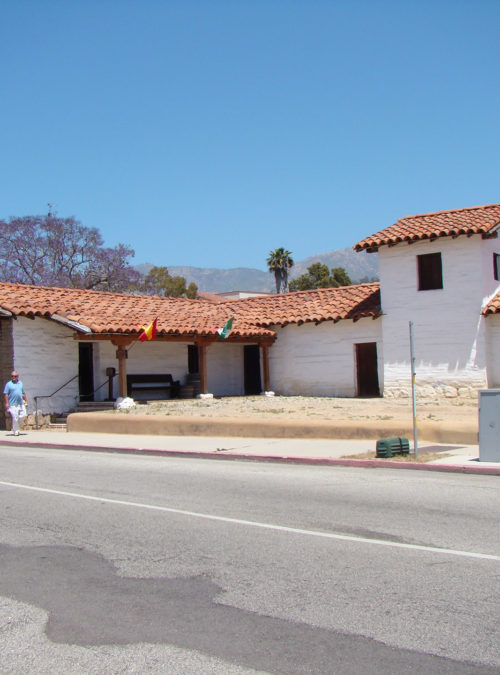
[(315, 461)]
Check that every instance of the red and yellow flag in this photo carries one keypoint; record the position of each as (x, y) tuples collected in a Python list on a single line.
[(148, 333)]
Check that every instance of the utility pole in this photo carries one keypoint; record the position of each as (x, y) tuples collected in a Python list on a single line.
[(412, 363)]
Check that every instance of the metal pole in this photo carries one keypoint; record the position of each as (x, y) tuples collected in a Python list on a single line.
[(412, 362), (36, 412)]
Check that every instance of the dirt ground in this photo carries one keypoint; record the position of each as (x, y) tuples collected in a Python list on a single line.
[(316, 408)]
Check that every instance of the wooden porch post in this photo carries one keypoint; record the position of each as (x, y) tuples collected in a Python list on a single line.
[(122, 355), (265, 366)]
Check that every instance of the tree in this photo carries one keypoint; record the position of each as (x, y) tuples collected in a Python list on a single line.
[(159, 281), (279, 262), (52, 251), (318, 276), (341, 276)]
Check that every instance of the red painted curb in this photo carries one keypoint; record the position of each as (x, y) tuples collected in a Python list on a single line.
[(319, 461)]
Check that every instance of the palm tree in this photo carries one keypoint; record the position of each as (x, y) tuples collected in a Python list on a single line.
[(279, 262)]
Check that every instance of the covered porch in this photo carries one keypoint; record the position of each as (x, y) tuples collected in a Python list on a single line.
[(112, 366)]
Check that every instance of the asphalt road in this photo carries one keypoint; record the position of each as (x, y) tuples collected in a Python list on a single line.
[(136, 564)]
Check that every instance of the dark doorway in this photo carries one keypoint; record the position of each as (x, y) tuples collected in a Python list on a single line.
[(367, 370), (193, 359), (86, 371), (252, 369)]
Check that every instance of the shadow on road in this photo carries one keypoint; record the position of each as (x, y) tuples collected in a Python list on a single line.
[(90, 604)]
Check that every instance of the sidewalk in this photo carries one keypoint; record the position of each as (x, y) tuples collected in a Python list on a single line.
[(456, 458)]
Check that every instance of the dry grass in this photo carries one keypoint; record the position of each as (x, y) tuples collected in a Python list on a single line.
[(317, 408), (422, 457)]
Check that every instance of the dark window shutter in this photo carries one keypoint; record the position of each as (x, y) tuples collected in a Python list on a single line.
[(430, 272)]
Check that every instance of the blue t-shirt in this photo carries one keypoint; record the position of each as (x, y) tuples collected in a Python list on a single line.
[(15, 391)]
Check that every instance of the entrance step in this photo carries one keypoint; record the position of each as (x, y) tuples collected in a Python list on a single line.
[(94, 406), (57, 426)]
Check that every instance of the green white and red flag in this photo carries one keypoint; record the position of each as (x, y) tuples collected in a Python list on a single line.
[(226, 329)]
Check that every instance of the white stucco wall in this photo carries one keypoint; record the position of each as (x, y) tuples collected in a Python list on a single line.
[(491, 288), (46, 356), (488, 248), (450, 343), (225, 369), (493, 350), (312, 360)]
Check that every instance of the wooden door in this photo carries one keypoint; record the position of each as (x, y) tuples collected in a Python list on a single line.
[(367, 369)]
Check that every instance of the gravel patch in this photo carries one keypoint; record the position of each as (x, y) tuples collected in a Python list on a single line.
[(312, 408)]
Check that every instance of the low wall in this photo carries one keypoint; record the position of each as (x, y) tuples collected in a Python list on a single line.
[(101, 422), (28, 422)]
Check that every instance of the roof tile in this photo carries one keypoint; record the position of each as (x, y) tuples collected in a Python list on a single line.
[(468, 221), (321, 304), (106, 312), (493, 306), (118, 313)]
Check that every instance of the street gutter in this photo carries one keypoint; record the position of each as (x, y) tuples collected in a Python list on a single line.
[(473, 468)]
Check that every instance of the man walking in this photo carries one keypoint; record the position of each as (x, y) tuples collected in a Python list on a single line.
[(15, 401)]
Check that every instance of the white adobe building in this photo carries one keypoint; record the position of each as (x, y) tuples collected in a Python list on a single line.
[(441, 271)]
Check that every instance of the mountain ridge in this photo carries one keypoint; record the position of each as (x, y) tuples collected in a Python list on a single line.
[(359, 266)]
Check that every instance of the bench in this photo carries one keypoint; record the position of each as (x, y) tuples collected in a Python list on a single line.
[(152, 387)]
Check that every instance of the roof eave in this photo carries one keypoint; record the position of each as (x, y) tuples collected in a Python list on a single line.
[(369, 248), (79, 327)]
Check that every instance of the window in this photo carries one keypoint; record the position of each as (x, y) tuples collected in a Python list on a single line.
[(496, 266), (430, 272)]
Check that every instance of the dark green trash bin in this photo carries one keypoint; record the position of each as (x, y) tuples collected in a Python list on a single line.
[(387, 447)]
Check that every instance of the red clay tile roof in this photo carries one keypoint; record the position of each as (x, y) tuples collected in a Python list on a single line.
[(322, 304), (474, 220), (493, 306), (118, 313), (210, 297)]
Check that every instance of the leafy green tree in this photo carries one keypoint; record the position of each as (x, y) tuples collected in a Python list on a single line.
[(279, 262), (158, 281), (341, 276), (318, 276)]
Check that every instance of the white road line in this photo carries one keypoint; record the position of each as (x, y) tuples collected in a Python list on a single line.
[(265, 526)]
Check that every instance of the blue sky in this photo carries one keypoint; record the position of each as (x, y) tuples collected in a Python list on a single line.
[(207, 133)]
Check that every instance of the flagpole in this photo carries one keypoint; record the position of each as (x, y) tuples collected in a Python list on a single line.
[(133, 344)]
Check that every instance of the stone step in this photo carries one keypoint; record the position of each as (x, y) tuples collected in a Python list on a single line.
[(94, 406)]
